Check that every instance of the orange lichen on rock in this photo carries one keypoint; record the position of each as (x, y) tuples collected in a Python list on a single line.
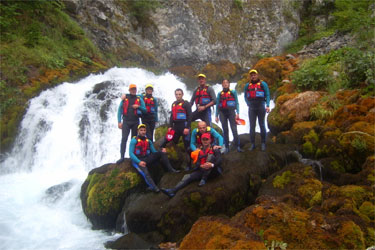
[(220, 233)]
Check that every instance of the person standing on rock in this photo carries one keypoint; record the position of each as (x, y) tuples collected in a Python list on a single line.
[(204, 97), (257, 97), (130, 109), (228, 109), (151, 116), (208, 164), (179, 122), (143, 155)]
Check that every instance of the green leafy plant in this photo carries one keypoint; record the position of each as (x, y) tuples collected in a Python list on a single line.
[(238, 4), (274, 244), (321, 113)]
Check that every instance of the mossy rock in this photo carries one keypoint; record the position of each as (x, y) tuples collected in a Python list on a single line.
[(351, 235), (104, 191)]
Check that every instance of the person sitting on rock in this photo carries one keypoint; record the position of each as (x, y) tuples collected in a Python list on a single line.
[(196, 142), (208, 164), (143, 155)]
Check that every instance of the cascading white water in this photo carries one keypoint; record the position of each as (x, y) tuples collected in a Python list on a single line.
[(67, 131)]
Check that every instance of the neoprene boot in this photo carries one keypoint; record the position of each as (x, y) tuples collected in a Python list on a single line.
[(252, 147), (121, 160), (202, 183), (171, 192), (263, 147), (167, 163)]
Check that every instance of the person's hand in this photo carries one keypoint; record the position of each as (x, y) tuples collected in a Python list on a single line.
[(217, 119), (135, 106), (237, 117), (267, 109), (186, 131), (216, 147), (164, 150), (142, 164), (123, 96), (120, 125), (201, 108), (206, 165)]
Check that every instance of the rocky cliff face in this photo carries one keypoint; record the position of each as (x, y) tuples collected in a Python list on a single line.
[(190, 32)]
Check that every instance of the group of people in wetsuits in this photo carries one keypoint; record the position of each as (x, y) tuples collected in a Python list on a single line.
[(204, 142)]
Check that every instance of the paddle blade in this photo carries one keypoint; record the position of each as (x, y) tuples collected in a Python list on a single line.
[(240, 121)]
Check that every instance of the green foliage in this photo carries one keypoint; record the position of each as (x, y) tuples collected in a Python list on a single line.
[(274, 244), (321, 113), (8, 97), (359, 144), (238, 4), (47, 38), (313, 75), (355, 16), (281, 180), (344, 68), (141, 10)]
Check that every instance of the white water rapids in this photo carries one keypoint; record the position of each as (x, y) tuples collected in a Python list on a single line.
[(67, 131)]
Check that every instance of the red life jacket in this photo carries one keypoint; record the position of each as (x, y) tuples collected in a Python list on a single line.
[(255, 91), (227, 100), (203, 154), (198, 136), (178, 111), (125, 105), (142, 148), (201, 96), (150, 104)]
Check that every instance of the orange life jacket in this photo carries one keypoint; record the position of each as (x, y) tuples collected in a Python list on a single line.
[(150, 104), (142, 148), (227, 100), (178, 111), (125, 106), (201, 96), (255, 91)]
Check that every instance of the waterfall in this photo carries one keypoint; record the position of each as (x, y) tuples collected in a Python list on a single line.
[(67, 131)]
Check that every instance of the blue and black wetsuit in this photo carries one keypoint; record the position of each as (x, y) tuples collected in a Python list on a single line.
[(257, 97)]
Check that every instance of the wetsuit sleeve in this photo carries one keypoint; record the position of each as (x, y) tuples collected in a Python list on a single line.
[(211, 92), (244, 91), (119, 112), (237, 102), (152, 148), (131, 151), (193, 140), (193, 98), (171, 118), (217, 159), (217, 136), (267, 92), (156, 110), (142, 107), (217, 104), (188, 114)]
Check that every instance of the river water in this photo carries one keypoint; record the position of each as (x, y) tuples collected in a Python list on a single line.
[(67, 131)]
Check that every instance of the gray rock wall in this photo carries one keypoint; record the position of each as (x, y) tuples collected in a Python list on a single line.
[(192, 32)]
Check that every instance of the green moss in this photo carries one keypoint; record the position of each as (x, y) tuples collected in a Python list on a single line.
[(237, 202), (316, 199), (370, 239), (337, 166), (105, 191), (367, 209), (281, 180), (355, 193), (308, 148), (310, 192), (351, 236)]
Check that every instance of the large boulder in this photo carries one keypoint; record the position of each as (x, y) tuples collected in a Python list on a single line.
[(296, 109), (104, 190), (226, 194)]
